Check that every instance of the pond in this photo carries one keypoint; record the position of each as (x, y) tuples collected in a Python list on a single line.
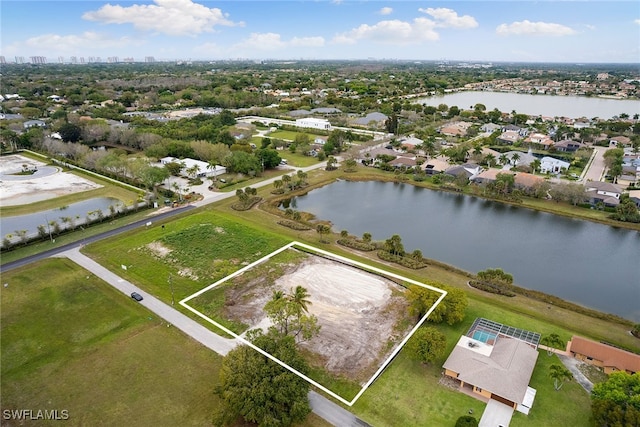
[(76, 213), (588, 263)]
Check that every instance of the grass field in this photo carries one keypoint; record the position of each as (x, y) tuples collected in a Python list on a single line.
[(71, 342)]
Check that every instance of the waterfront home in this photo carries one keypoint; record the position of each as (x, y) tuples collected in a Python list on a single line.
[(471, 170), (435, 165), (610, 359), (603, 192), (553, 165), (495, 362)]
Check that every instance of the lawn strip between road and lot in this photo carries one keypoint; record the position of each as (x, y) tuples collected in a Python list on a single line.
[(337, 259)]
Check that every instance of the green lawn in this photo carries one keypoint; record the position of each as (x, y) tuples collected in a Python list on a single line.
[(71, 342)]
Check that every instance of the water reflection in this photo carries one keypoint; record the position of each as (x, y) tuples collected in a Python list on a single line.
[(563, 256)]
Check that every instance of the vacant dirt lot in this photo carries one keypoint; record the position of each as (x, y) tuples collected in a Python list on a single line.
[(47, 183), (357, 311)]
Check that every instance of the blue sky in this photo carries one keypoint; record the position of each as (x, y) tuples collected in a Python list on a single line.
[(519, 31)]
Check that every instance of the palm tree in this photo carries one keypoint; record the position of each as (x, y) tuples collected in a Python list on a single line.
[(490, 159), (535, 165), (503, 159), (286, 179), (277, 184), (559, 374), (514, 158), (302, 176), (552, 340), (300, 298), (366, 237)]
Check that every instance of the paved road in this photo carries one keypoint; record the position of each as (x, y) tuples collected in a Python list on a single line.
[(51, 252), (595, 172), (320, 405), (188, 326)]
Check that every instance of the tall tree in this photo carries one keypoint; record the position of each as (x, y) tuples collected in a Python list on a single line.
[(427, 345), (616, 402), (258, 389), (451, 309)]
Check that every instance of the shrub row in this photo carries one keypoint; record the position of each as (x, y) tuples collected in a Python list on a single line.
[(559, 302), (246, 205), (357, 244), (490, 287), (404, 261), (294, 225)]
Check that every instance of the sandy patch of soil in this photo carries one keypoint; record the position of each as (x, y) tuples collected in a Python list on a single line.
[(159, 249), (357, 311), (13, 164), (34, 189)]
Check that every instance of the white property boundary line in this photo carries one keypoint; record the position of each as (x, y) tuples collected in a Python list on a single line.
[(442, 292)]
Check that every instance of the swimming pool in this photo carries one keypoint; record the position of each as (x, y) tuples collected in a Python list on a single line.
[(484, 336)]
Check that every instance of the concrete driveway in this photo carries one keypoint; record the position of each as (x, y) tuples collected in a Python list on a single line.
[(496, 414)]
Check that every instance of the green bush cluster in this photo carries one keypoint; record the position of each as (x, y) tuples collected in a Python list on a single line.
[(294, 225), (357, 244), (491, 287), (246, 205), (404, 261)]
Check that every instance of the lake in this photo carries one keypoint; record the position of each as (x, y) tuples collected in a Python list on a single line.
[(588, 263), (538, 105)]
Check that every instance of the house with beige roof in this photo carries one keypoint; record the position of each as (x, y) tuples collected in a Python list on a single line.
[(609, 358), (495, 362)]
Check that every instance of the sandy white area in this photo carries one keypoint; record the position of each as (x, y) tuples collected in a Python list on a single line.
[(356, 310), (13, 163), (34, 189)]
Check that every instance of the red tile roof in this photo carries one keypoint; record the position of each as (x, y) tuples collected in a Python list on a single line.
[(608, 355)]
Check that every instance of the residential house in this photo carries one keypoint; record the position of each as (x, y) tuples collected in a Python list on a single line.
[(455, 129), (513, 128), (203, 168), (403, 162), (603, 192), (435, 165), (490, 127), (326, 110), (522, 180), (568, 146), (509, 137), (34, 123), (469, 169), (634, 195), (410, 142), (620, 141), (495, 361), (553, 165), (539, 140), (609, 358)]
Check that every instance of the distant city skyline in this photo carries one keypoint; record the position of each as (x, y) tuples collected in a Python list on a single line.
[(167, 30)]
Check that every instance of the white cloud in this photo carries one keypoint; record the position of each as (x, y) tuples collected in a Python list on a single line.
[(72, 43), (385, 11), (636, 21), (273, 41), (534, 28), (391, 32), (448, 18), (172, 17)]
